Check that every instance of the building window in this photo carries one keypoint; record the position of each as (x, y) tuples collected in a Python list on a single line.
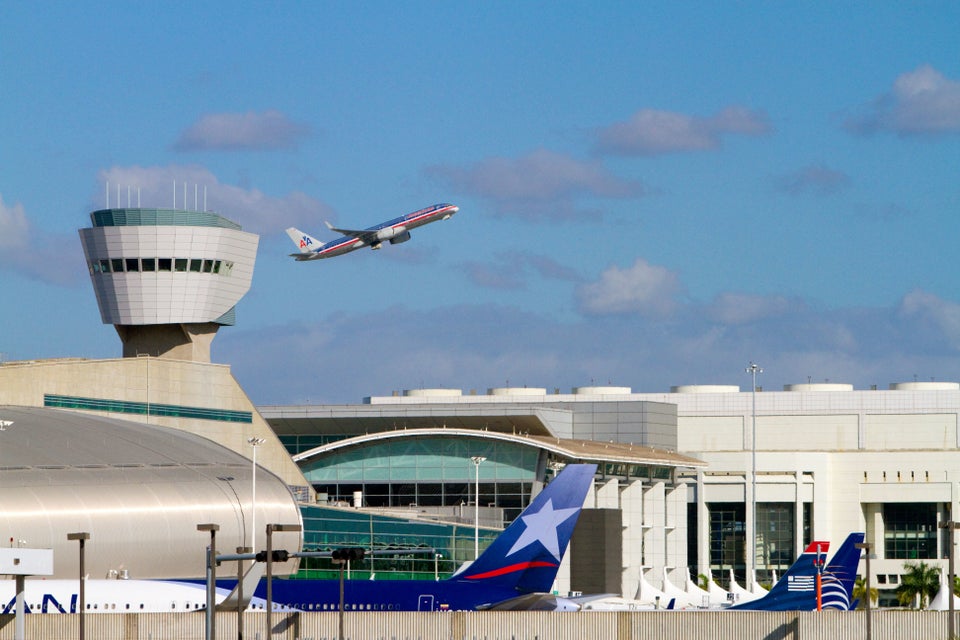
[(910, 531), (149, 264), (693, 561), (180, 264), (775, 526), (164, 264), (807, 523), (727, 538), (133, 264)]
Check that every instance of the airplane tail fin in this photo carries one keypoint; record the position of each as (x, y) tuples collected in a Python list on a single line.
[(840, 575), (527, 555), (797, 589), (304, 241)]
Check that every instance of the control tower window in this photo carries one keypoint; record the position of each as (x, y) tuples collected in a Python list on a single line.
[(180, 264), (116, 265), (105, 266), (149, 264), (133, 264), (164, 264), (195, 265), (216, 266), (207, 266)]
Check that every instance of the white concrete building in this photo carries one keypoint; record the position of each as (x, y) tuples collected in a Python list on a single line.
[(827, 460)]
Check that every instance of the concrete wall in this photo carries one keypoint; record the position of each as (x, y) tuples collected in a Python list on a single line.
[(707, 625)]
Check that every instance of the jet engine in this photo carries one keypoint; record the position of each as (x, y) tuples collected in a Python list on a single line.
[(400, 237), (389, 233)]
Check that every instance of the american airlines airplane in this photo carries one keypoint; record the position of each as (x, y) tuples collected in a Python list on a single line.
[(395, 231), (516, 571)]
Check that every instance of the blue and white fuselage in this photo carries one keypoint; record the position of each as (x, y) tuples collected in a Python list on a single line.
[(517, 571), (393, 231)]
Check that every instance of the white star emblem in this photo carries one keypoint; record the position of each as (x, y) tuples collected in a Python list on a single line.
[(542, 526)]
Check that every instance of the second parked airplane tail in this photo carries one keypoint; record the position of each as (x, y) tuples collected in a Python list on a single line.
[(841, 573), (797, 590)]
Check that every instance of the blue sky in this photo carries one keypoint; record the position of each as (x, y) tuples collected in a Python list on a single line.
[(650, 194)]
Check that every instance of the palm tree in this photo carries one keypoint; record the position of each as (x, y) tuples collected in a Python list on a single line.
[(860, 593), (920, 580)]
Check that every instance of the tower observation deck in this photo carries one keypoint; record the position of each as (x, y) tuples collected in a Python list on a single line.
[(167, 279)]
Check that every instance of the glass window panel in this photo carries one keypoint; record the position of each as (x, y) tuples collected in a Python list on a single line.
[(132, 264), (164, 264), (727, 537), (910, 530), (149, 264), (196, 265), (208, 266), (180, 264)]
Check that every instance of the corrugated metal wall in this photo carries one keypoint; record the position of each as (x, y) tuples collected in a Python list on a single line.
[(498, 625)]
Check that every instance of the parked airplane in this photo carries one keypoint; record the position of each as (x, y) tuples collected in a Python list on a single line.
[(395, 231), (516, 571), (795, 591), (798, 590)]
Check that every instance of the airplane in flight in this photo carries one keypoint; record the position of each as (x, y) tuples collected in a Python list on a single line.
[(516, 571), (395, 231)]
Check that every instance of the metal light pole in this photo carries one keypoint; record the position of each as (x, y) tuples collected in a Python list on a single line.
[(270, 529), (82, 537), (240, 550), (753, 369), (476, 508), (950, 526), (867, 547), (254, 442), (211, 578)]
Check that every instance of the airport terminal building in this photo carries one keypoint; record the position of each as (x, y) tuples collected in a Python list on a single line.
[(826, 460), (685, 480)]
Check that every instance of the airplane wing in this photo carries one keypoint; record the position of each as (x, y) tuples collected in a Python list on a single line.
[(533, 602), (356, 233), (250, 580)]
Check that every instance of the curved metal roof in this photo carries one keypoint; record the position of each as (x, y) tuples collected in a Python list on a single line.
[(578, 450), (139, 490)]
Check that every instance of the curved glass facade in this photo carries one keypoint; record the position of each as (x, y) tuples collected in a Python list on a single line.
[(434, 459), (432, 549), (429, 472)]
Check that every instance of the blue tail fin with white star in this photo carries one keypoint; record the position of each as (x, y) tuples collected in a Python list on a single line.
[(527, 555)]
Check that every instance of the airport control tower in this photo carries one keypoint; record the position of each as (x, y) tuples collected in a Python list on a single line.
[(168, 279)]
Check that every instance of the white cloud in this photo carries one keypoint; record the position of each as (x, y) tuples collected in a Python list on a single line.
[(44, 256), (13, 225), (741, 308), (922, 101), (254, 210), (540, 185), (940, 316), (862, 347), (509, 270), (248, 131), (653, 132), (816, 179), (643, 289)]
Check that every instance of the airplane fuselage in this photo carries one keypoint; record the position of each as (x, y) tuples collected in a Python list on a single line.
[(393, 231)]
